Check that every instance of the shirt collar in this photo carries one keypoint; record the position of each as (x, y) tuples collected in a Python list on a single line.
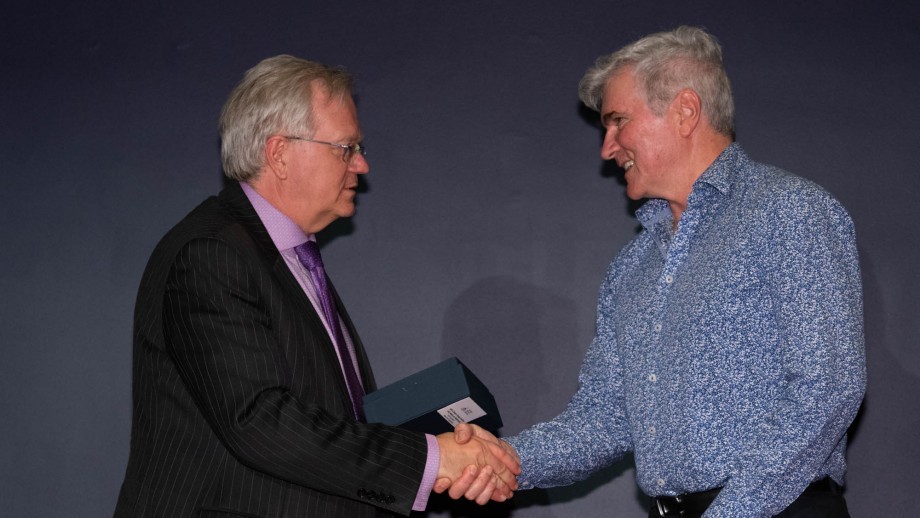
[(282, 229), (720, 175), (721, 172)]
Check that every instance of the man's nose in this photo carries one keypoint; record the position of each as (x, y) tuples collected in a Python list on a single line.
[(358, 164), (610, 145)]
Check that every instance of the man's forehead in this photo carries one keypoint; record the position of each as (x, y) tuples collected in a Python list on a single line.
[(336, 114), (618, 87), (322, 95)]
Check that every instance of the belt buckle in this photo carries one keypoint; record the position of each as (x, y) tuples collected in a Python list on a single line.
[(665, 512)]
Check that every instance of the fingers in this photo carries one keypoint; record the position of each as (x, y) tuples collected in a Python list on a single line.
[(476, 485), (481, 433), (482, 488), (441, 485), (498, 490), (476, 465), (513, 454), (464, 432), (462, 485), (487, 487), (505, 477), (504, 466)]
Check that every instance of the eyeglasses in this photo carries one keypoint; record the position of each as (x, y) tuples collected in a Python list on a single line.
[(348, 150)]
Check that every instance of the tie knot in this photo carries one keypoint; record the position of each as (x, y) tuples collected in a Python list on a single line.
[(308, 253)]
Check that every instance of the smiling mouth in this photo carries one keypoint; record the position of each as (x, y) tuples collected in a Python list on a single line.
[(627, 165)]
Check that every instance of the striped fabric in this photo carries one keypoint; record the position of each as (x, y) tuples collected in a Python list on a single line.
[(240, 408)]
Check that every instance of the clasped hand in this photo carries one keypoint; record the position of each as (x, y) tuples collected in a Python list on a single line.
[(476, 465)]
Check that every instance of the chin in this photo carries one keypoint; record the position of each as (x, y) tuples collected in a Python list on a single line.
[(634, 195), (347, 212)]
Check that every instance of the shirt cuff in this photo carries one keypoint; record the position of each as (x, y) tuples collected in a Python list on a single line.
[(431, 474)]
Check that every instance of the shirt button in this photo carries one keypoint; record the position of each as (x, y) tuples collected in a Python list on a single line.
[(668, 279), (652, 378), (657, 328), (660, 482), (651, 429)]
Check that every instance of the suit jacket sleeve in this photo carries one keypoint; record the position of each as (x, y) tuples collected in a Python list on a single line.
[(264, 382)]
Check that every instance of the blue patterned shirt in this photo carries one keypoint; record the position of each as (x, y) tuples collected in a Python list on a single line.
[(729, 353)]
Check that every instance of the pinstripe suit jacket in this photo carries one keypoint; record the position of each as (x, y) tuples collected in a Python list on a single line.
[(240, 406)]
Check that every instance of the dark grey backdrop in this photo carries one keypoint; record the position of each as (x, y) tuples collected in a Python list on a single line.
[(488, 217)]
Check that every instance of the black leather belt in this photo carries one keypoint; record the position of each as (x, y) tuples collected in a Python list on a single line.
[(696, 503)]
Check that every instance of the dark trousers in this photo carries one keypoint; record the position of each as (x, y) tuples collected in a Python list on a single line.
[(822, 499)]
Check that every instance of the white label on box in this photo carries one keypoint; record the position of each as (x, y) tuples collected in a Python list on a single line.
[(462, 411)]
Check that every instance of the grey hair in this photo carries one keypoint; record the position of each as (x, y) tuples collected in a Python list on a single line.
[(665, 63), (275, 96)]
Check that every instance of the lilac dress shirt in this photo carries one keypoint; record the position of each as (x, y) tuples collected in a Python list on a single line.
[(286, 235)]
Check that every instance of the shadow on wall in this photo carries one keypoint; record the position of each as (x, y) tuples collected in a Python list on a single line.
[(511, 334), (500, 328), (883, 413)]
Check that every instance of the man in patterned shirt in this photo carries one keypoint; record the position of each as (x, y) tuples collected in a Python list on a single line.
[(729, 350)]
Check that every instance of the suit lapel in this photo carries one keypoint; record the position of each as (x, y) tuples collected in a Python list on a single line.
[(238, 204), (364, 366)]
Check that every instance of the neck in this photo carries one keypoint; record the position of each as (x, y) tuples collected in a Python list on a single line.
[(702, 154), (267, 189), (271, 189)]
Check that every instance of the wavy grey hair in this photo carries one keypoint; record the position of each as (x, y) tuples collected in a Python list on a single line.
[(665, 63), (273, 97)]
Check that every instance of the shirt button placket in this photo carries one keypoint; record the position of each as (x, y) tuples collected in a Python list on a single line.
[(652, 378)]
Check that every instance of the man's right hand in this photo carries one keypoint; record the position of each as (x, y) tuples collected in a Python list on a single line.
[(481, 480), (475, 465)]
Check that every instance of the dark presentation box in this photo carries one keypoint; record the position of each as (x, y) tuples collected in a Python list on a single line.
[(434, 400)]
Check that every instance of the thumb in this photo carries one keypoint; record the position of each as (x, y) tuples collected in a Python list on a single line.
[(463, 433)]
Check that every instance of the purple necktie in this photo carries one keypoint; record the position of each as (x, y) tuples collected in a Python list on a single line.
[(308, 253)]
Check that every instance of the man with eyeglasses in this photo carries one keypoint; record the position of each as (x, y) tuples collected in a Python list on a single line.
[(248, 373)]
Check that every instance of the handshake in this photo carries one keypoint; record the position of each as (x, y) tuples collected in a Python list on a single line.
[(476, 465)]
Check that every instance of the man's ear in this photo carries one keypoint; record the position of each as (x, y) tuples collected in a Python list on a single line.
[(276, 148), (689, 110)]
